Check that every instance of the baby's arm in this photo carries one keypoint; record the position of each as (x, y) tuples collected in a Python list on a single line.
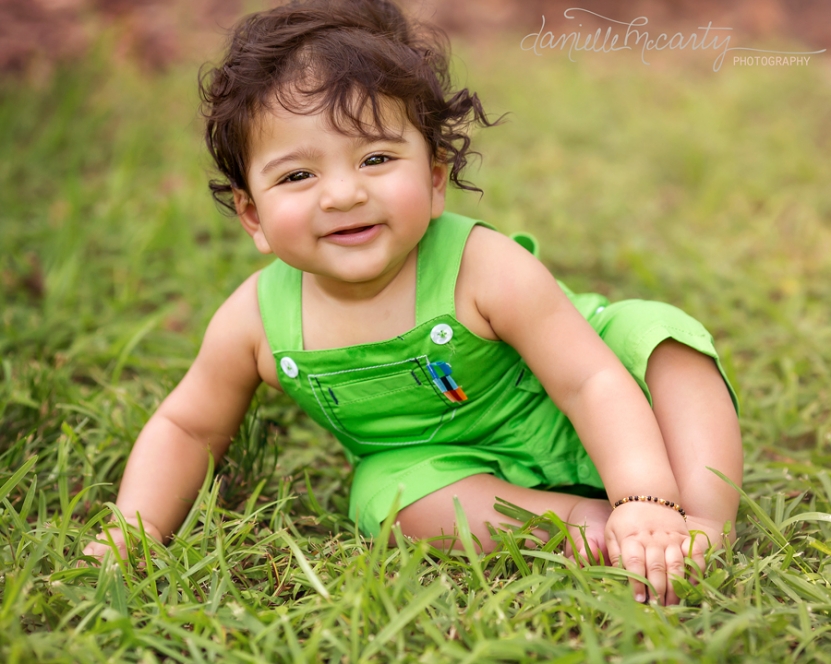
[(701, 430), (526, 308), (170, 457)]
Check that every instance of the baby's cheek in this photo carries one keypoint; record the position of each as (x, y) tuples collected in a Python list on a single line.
[(288, 223), (415, 203)]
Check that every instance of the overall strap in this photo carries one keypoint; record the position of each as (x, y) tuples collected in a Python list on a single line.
[(439, 258), (279, 295)]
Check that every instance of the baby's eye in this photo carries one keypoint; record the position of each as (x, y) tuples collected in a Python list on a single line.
[(297, 176), (376, 160)]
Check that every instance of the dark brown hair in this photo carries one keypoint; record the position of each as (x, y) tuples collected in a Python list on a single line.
[(341, 56)]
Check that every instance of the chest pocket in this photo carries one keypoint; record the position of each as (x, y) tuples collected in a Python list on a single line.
[(387, 405)]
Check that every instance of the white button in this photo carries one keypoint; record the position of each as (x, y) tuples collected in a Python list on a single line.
[(441, 334), (289, 367), (599, 309)]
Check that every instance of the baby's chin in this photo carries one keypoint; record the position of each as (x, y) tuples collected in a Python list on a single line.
[(359, 275)]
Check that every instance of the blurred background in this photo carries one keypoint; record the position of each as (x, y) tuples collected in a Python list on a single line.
[(672, 181), (36, 34)]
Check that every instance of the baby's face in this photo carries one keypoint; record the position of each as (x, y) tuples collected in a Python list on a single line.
[(339, 206)]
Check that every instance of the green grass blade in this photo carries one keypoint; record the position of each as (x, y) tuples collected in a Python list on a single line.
[(806, 517), (414, 607), (16, 477), (303, 562), (466, 538)]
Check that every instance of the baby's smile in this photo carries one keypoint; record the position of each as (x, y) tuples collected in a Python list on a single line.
[(355, 235), (349, 231)]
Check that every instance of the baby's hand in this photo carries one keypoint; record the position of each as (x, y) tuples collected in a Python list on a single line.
[(99, 547), (709, 531), (651, 540), (587, 527)]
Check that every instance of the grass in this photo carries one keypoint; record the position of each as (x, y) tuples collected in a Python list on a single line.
[(705, 190)]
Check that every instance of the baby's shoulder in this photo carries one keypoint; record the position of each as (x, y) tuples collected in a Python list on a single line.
[(488, 254), (242, 305), (487, 236), (491, 264), (235, 321), (237, 327)]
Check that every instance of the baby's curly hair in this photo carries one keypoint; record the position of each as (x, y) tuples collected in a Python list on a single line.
[(341, 56)]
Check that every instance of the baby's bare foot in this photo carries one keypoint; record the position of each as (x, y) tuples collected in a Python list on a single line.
[(713, 531), (587, 524)]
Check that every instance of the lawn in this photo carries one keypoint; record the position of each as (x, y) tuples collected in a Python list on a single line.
[(707, 190)]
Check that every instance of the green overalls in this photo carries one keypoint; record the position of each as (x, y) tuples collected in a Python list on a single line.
[(439, 403)]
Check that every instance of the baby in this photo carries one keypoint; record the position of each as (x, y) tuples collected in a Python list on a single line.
[(442, 354)]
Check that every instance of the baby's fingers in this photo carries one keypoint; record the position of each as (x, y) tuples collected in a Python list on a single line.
[(656, 571), (99, 548), (93, 550), (675, 570), (613, 550), (632, 555), (616, 559)]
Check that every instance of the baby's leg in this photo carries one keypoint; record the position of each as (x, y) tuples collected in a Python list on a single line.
[(700, 429), (435, 515)]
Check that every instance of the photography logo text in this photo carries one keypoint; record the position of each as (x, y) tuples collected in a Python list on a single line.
[(633, 35)]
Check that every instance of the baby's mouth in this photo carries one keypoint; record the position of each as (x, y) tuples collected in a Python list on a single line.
[(352, 231), (356, 236)]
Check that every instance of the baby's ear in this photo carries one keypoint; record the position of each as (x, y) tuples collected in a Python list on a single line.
[(250, 220), (241, 199), (439, 181), (440, 172)]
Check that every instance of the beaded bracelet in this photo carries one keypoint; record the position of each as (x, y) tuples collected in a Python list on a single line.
[(647, 499)]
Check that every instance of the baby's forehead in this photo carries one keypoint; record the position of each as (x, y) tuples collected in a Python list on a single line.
[(362, 120)]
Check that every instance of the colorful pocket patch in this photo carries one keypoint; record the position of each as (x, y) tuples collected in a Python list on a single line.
[(440, 373)]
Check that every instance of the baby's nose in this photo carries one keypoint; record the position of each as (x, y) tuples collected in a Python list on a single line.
[(343, 192)]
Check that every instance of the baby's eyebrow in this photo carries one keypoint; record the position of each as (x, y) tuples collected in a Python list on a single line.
[(392, 138), (302, 153)]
